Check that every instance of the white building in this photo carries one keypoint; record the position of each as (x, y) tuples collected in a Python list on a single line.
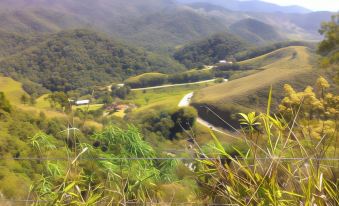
[(82, 102), (225, 62)]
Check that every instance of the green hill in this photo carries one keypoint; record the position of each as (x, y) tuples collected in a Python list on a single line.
[(80, 59), (209, 51), (287, 65), (11, 43), (254, 31)]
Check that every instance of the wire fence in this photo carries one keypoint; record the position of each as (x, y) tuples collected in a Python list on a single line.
[(123, 203), (167, 158)]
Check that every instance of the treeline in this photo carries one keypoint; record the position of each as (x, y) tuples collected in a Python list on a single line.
[(158, 79), (258, 51), (147, 80), (209, 51), (78, 59), (329, 47)]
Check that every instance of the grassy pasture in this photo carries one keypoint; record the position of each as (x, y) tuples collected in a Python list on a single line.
[(12, 89), (164, 97), (287, 65)]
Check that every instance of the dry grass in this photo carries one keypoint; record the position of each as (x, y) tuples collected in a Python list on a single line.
[(278, 67), (12, 89)]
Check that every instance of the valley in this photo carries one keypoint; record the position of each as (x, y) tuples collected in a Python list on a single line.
[(168, 102)]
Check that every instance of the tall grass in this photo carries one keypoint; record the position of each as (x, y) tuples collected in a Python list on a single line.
[(284, 162), (281, 167)]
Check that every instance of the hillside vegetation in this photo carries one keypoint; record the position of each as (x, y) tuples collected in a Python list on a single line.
[(210, 50), (287, 65), (80, 59), (255, 32)]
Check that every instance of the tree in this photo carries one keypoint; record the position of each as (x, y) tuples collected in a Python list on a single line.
[(329, 47), (32, 99), (331, 32), (61, 99), (120, 92), (4, 103), (24, 99), (183, 119)]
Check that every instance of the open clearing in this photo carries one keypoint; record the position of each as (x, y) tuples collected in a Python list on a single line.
[(286, 65), (12, 89)]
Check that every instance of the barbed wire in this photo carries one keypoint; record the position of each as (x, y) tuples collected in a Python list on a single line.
[(128, 203), (167, 158)]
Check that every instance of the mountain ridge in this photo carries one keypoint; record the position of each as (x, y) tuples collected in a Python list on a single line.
[(252, 6)]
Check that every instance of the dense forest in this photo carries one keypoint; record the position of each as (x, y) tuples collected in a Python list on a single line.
[(81, 59), (210, 51)]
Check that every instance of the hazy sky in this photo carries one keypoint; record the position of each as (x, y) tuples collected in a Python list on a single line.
[(316, 5)]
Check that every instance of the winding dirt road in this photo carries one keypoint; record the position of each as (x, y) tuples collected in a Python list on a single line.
[(186, 101)]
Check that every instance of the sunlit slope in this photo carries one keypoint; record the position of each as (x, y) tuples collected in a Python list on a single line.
[(13, 92), (288, 65), (12, 89)]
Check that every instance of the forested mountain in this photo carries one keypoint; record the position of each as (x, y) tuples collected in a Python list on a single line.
[(80, 58), (144, 22), (255, 31), (210, 50), (252, 6), (158, 25), (174, 27)]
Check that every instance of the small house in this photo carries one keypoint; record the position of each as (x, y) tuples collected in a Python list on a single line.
[(82, 102)]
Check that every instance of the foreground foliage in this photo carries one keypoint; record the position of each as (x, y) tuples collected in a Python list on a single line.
[(289, 157)]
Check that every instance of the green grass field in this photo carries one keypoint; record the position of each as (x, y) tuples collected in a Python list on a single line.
[(163, 97)]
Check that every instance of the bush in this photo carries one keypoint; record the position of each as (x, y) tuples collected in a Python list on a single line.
[(219, 80), (170, 124), (120, 92)]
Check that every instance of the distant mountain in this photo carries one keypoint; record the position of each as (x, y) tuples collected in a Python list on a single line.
[(294, 26), (148, 23), (174, 27), (157, 25), (251, 6), (207, 6), (80, 59), (210, 50), (255, 31)]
